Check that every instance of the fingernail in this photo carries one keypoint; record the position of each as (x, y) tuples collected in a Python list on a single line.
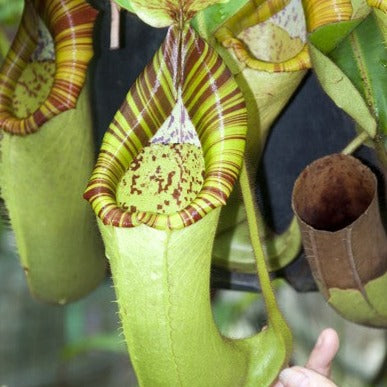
[(292, 377), (320, 341)]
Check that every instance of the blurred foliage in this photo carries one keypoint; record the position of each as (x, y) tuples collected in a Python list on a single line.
[(4, 44), (75, 345), (104, 342), (10, 11)]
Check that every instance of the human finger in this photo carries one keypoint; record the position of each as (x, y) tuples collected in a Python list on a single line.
[(303, 377), (323, 352)]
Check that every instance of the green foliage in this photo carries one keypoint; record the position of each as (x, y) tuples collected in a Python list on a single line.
[(10, 11), (349, 59), (125, 4), (211, 18), (362, 56), (352, 304), (110, 342)]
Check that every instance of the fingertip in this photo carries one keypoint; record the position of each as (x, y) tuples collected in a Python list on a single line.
[(331, 336), (329, 341), (324, 351)]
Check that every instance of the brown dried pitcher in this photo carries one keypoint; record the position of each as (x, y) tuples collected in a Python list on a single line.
[(335, 201)]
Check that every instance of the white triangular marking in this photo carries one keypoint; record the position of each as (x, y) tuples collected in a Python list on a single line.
[(177, 128)]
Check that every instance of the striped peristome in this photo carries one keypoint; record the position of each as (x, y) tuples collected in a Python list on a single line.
[(317, 13), (71, 25), (379, 4), (185, 67), (321, 12)]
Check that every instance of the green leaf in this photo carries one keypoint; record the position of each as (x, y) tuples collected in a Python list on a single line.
[(10, 11), (328, 37), (210, 19), (352, 304), (342, 91), (126, 4), (351, 69), (362, 56), (4, 44)]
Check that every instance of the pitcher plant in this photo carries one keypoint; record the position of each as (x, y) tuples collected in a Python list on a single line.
[(335, 199), (47, 149), (167, 164)]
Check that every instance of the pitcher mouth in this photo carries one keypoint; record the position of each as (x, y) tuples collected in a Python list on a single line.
[(163, 178), (241, 32), (70, 24), (332, 192), (185, 69)]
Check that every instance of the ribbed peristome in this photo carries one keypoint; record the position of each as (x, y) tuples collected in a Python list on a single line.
[(70, 24), (185, 66)]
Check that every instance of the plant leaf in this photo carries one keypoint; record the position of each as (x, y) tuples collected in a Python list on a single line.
[(10, 11), (362, 56), (126, 4), (209, 20), (348, 71)]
